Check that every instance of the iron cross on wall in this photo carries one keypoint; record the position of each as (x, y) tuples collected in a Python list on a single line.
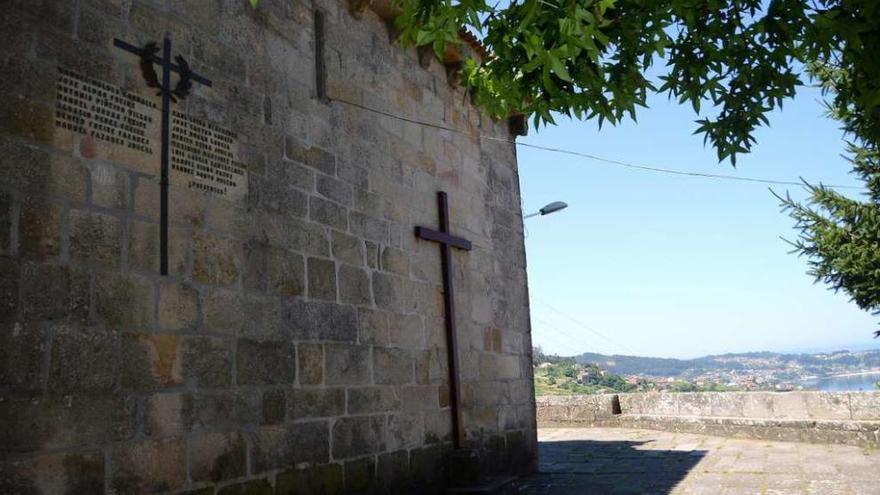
[(148, 56), (448, 241)]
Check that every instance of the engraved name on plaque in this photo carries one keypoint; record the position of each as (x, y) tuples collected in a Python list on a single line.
[(104, 111), (204, 156), (113, 124)]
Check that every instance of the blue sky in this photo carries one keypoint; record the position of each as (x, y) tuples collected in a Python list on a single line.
[(652, 264)]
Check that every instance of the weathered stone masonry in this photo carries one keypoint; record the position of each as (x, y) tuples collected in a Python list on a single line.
[(820, 417), (297, 345)]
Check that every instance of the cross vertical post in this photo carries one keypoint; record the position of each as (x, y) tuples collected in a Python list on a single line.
[(446, 242), (148, 58), (166, 143)]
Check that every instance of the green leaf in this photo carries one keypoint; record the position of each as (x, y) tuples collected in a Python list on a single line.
[(605, 5), (424, 37), (439, 48), (558, 67)]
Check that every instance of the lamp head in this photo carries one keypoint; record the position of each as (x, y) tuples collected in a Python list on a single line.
[(553, 207)]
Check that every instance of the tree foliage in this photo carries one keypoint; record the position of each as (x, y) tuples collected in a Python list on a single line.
[(601, 58), (740, 58), (839, 235)]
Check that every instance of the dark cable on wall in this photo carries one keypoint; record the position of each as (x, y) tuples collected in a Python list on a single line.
[(593, 157)]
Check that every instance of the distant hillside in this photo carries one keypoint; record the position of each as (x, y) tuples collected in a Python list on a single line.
[(819, 363)]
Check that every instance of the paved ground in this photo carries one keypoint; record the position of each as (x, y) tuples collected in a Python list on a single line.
[(627, 461)]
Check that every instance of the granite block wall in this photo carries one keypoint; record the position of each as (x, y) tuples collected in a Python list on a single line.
[(297, 343)]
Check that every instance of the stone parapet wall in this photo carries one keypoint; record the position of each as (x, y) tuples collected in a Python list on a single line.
[(574, 409), (758, 405), (821, 417)]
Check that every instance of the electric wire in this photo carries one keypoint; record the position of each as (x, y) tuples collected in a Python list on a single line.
[(557, 336), (577, 338), (568, 339), (610, 161), (584, 326)]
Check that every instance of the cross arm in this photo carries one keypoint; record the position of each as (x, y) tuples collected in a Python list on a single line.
[(158, 60), (443, 238)]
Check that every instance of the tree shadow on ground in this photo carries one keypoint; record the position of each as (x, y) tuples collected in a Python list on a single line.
[(607, 467)]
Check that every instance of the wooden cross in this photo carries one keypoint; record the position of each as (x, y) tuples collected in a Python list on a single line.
[(447, 241), (148, 57)]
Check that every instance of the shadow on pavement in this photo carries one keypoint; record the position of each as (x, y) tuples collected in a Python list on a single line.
[(607, 467)]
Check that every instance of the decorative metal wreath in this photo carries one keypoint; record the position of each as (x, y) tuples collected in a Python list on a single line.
[(184, 84)]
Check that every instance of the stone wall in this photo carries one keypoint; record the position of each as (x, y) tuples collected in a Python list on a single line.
[(821, 417), (297, 344)]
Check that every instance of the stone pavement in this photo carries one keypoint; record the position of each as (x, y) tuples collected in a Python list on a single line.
[(629, 461)]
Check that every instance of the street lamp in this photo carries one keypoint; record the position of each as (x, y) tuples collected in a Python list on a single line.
[(550, 208)]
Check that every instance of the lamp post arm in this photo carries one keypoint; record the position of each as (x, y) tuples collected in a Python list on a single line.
[(548, 209)]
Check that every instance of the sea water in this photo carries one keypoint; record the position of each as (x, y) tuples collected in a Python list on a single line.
[(852, 383)]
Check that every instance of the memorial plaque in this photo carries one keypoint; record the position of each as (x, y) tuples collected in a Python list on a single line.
[(204, 156), (124, 127), (114, 124), (103, 111)]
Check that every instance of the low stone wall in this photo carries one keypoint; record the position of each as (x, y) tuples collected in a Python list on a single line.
[(573, 410), (820, 417)]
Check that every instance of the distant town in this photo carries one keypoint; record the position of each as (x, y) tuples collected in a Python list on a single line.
[(758, 371)]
